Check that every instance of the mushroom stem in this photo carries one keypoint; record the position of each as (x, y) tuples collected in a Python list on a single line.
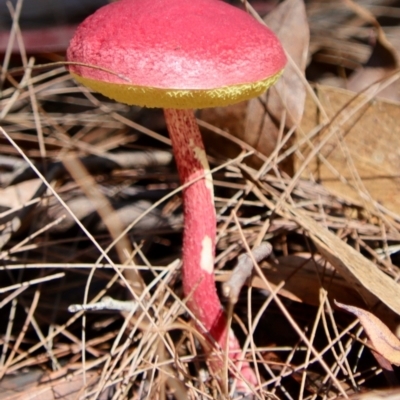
[(200, 233), (200, 221)]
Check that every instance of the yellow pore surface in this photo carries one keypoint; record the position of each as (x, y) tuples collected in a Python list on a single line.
[(178, 98)]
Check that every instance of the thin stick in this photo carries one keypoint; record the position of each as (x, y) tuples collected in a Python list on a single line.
[(243, 270)]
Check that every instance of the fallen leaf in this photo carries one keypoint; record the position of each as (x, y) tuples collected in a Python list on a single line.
[(301, 282), (382, 62), (370, 282), (382, 339), (388, 394), (302, 279), (303, 276), (368, 141)]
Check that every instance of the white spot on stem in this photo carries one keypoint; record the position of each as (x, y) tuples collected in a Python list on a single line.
[(207, 259)]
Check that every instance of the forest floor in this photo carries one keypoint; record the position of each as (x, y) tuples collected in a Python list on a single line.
[(90, 198)]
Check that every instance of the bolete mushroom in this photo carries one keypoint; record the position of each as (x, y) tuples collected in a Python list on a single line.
[(180, 55)]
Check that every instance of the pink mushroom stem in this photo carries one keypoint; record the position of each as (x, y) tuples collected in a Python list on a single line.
[(199, 235)]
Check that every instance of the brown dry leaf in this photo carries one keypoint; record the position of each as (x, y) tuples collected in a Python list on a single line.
[(370, 282), (382, 61), (388, 394), (382, 339), (368, 142), (301, 280), (288, 95), (380, 65)]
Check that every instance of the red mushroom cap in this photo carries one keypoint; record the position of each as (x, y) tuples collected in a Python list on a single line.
[(175, 53)]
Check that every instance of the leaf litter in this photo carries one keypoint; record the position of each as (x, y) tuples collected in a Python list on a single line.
[(324, 195)]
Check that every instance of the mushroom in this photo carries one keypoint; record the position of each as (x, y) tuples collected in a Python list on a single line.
[(180, 55)]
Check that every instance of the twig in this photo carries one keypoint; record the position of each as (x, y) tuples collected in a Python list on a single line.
[(107, 303), (242, 271)]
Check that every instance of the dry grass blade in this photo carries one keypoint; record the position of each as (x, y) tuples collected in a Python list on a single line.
[(31, 282)]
